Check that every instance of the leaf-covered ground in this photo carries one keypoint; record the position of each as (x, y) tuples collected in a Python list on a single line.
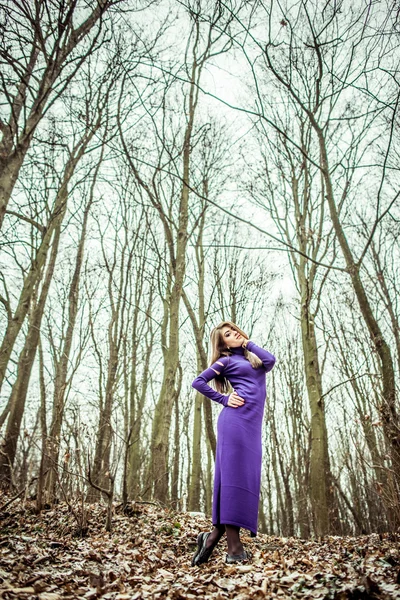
[(149, 551)]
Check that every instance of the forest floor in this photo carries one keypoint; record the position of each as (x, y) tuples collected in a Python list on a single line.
[(149, 551)]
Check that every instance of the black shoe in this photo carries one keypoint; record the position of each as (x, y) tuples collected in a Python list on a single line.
[(235, 558), (202, 553)]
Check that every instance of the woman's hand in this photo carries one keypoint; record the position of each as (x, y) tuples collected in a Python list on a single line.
[(235, 400)]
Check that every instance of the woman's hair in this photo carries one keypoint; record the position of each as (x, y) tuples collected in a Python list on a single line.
[(219, 348)]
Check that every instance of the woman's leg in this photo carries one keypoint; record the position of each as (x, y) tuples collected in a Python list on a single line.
[(234, 544), (206, 543), (215, 536)]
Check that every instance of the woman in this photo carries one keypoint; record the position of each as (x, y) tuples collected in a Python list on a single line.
[(237, 361)]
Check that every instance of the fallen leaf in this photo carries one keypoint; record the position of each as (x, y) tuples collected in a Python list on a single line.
[(166, 574), (225, 584)]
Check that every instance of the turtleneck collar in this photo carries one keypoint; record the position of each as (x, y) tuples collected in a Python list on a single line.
[(238, 350)]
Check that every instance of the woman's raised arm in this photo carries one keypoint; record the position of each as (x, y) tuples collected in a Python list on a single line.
[(267, 358)]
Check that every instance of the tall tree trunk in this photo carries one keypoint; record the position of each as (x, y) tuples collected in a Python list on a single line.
[(198, 328), (137, 401), (323, 500), (390, 417), (117, 293), (15, 321), (176, 239), (208, 492), (319, 460), (176, 459), (198, 325), (195, 475), (364, 405), (61, 366), (101, 463), (136, 420), (163, 413), (168, 395), (43, 430), (25, 364), (385, 293)]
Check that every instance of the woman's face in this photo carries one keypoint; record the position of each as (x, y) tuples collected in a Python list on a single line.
[(231, 337)]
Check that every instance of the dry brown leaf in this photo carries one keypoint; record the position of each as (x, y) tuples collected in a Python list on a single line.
[(165, 574), (244, 568), (225, 584), (148, 555)]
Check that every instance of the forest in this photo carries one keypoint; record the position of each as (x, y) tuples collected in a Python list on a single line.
[(166, 165)]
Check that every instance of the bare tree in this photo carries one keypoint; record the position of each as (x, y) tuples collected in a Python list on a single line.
[(202, 43), (316, 58), (16, 403), (296, 207), (75, 154), (52, 449), (41, 51)]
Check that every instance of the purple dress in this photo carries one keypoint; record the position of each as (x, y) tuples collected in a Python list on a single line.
[(237, 476)]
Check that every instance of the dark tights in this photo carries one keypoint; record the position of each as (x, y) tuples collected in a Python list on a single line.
[(232, 535)]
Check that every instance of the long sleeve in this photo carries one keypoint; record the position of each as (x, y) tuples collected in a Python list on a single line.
[(267, 358), (201, 383)]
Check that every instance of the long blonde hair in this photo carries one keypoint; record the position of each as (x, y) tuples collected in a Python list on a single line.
[(219, 348)]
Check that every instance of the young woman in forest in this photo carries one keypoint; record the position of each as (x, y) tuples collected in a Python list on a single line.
[(239, 363)]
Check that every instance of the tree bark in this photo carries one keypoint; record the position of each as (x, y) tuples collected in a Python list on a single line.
[(137, 404), (101, 463), (176, 459), (168, 395), (195, 475), (59, 210), (61, 368), (25, 364), (388, 410)]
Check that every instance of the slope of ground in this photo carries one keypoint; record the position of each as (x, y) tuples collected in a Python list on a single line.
[(148, 555)]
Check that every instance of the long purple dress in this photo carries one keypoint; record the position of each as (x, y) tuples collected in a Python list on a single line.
[(237, 476)]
